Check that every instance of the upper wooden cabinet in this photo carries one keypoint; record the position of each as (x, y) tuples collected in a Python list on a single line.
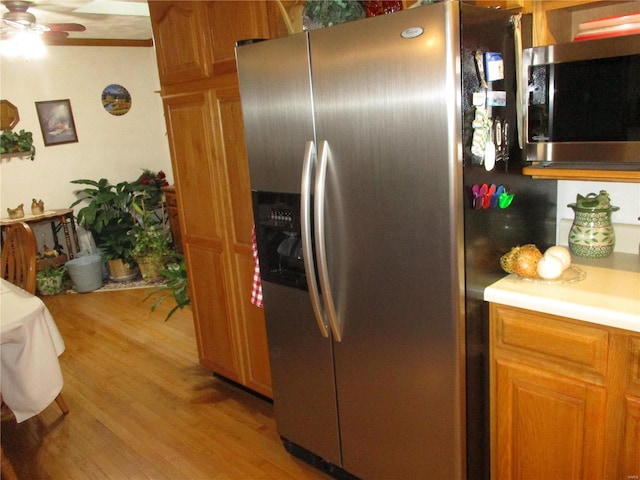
[(556, 21), (230, 22), (181, 37), (196, 40)]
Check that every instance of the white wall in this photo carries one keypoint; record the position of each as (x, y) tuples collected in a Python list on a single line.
[(114, 147)]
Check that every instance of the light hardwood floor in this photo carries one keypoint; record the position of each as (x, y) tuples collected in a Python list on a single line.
[(141, 407)]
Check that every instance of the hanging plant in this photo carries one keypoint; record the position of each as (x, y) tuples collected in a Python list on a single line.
[(15, 142)]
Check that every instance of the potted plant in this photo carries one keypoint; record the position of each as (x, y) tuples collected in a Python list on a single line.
[(108, 215), (177, 285), (13, 142), (152, 242), (50, 280), (150, 184)]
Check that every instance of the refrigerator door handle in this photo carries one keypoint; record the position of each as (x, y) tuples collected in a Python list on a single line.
[(307, 242), (321, 251)]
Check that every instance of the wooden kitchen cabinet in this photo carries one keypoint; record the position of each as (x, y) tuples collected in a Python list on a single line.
[(556, 21), (195, 42), (565, 398), (181, 38)]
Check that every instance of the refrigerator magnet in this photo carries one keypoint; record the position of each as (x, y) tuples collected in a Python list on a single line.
[(497, 99), (494, 66)]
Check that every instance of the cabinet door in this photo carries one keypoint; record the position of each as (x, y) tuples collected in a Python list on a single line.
[(215, 333), (190, 123), (631, 439), (631, 409), (181, 36), (229, 22), (546, 426), (231, 158)]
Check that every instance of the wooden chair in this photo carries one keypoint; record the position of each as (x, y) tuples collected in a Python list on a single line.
[(19, 256), (6, 469), (18, 266)]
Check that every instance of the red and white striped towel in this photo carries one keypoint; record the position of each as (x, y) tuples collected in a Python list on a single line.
[(256, 289)]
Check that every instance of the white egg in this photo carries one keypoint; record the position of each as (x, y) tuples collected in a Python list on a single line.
[(549, 267), (562, 253)]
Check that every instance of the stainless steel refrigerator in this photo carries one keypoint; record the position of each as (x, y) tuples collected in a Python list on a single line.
[(373, 253)]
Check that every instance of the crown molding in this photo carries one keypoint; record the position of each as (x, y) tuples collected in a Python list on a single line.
[(97, 42)]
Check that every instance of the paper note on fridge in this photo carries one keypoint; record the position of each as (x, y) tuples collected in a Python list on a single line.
[(494, 67), (496, 99)]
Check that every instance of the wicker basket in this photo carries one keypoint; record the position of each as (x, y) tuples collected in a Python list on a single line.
[(121, 272), (150, 269)]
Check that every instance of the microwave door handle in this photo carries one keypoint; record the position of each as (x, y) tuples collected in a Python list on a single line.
[(321, 251), (307, 247)]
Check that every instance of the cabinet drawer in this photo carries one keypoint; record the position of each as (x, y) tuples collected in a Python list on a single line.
[(552, 339)]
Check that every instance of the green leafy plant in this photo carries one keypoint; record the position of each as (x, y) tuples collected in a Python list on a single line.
[(22, 141), (153, 248), (150, 184), (108, 215), (51, 271), (51, 280), (176, 286)]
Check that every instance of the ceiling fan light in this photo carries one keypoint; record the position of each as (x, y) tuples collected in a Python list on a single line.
[(25, 44)]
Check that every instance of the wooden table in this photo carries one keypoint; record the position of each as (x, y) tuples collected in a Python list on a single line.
[(62, 216), (30, 345)]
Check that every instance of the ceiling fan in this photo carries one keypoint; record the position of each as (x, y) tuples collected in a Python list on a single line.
[(17, 19)]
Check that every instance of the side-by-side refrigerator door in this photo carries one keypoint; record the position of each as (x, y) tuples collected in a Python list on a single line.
[(277, 110), (388, 114), (275, 91)]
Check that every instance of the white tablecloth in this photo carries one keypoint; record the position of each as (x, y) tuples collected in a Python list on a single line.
[(30, 343)]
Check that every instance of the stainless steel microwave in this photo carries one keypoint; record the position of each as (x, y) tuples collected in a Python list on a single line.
[(581, 103)]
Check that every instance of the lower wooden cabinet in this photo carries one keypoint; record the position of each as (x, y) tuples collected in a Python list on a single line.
[(214, 204), (565, 398)]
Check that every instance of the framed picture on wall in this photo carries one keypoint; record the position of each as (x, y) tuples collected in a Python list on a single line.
[(56, 122)]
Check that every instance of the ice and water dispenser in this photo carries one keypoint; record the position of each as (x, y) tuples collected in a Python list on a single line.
[(277, 223)]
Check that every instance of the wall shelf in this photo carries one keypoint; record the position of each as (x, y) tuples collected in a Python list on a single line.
[(10, 155), (540, 171)]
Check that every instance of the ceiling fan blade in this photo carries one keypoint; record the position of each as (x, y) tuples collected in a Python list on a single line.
[(54, 35), (66, 27)]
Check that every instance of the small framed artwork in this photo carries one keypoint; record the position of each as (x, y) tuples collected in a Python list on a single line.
[(56, 122), (116, 99)]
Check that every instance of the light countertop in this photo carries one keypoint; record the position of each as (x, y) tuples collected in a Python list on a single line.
[(608, 295)]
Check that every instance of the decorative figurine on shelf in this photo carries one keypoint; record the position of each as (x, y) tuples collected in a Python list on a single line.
[(48, 252), (37, 207), (17, 212)]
